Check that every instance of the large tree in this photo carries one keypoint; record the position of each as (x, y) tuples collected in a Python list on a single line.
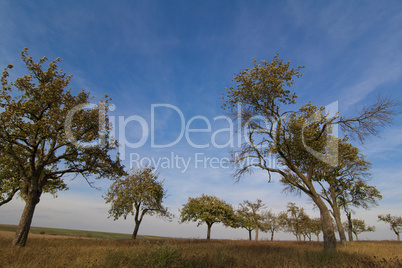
[(207, 209), (138, 193), (45, 134), (261, 102), (249, 216), (395, 223)]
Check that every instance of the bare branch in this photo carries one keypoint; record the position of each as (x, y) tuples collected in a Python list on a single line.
[(370, 119)]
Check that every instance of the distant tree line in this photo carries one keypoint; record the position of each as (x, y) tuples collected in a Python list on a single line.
[(253, 216)]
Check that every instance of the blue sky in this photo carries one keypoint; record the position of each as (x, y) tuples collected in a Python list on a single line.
[(183, 54)]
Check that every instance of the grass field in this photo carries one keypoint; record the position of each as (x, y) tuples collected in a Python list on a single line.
[(55, 250), (72, 233)]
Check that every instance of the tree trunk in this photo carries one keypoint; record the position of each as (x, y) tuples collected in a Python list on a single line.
[(136, 228), (256, 233), (398, 237), (318, 238), (327, 226), (357, 239), (337, 216), (272, 235), (336, 212), (138, 219), (350, 225), (24, 225), (249, 235), (209, 231)]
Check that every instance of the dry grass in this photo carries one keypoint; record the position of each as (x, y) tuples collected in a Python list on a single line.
[(47, 251), (68, 232)]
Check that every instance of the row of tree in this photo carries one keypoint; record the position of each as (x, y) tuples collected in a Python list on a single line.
[(140, 193), (252, 217)]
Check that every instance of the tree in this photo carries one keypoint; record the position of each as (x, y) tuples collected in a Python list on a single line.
[(270, 223), (249, 217), (359, 226), (294, 220), (315, 227), (139, 193), (395, 223), (243, 221), (45, 134), (208, 209), (261, 102), (306, 229)]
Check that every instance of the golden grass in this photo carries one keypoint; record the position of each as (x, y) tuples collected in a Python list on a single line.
[(68, 232), (47, 251)]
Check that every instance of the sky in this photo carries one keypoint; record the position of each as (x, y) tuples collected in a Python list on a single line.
[(166, 64)]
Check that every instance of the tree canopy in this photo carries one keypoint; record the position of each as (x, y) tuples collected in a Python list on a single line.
[(207, 209), (249, 216)]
